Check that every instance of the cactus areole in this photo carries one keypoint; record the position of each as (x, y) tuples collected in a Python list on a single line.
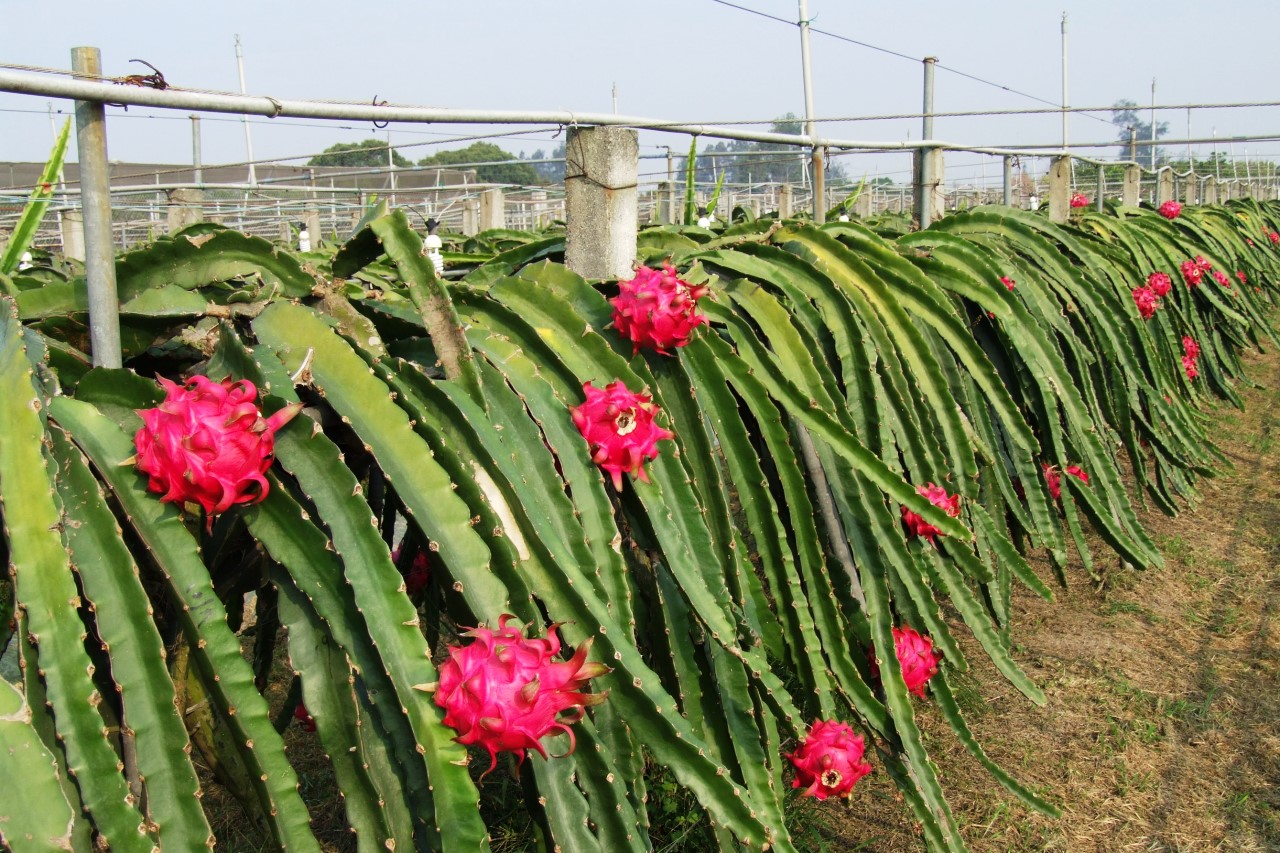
[(618, 425), (506, 692), (828, 761), (208, 443), (657, 309)]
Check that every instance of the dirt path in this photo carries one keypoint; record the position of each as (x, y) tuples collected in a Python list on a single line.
[(1162, 726)]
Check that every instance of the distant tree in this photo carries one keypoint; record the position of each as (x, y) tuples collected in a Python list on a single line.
[(486, 152), (370, 153), (1124, 115), (549, 173)]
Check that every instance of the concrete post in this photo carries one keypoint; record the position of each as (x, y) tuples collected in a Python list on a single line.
[(471, 216), (1007, 198), (185, 208), (934, 194), (1102, 188), (601, 201), (73, 234), (666, 208), (1210, 192), (493, 212), (1189, 186), (1059, 189), (862, 206), (1164, 187), (311, 220), (784, 201), (1132, 182)]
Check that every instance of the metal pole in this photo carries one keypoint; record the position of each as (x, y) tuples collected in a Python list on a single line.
[(95, 200), (197, 163), (1064, 82), (248, 140), (1191, 163), (1153, 123), (1217, 164), (924, 198), (815, 155), (1008, 182)]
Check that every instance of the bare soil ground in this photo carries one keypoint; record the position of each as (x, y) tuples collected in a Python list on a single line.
[(1162, 727)]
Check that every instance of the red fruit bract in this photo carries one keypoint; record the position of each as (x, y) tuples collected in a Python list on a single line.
[(208, 443), (829, 761), (1007, 282), (618, 425), (507, 692), (657, 309), (936, 495), (1146, 300), (1079, 200), (1170, 209), (1160, 283)]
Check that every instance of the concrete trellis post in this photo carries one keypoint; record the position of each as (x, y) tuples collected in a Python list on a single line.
[(1164, 186), (1059, 189), (471, 216), (1189, 186), (493, 212), (73, 234), (1210, 193), (311, 220), (185, 208), (1132, 183), (784, 201), (862, 206), (601, 201)]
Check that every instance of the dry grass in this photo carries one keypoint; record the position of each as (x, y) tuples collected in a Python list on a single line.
[(1162, 727)]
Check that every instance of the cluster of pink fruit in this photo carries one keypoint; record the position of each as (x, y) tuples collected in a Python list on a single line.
[(1147, 297)]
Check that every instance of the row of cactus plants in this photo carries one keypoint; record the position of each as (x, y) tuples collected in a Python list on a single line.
[(730, 484)]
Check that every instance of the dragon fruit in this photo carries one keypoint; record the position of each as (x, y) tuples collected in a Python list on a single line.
[(1160, 283), (1170, 209), (1191, 355), (1079, 200), (829, 761), (1007, 282), (208, 443), (304, 719), (506, 692), (657, 309), (1053, 479), (1146, 300), (936, 495), (418, 574), (1274, 237), (1189, 365), (1190, 347), (1221, 278), (618, 425), (917, 657), (1191, 273), (1240, 274)]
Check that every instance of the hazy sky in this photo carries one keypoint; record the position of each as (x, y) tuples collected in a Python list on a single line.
[(695, 60)]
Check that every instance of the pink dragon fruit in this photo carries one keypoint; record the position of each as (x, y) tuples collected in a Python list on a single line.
[(829, 761), (1146, 300), (208, 443), (1190, 347), (1202, 264), (1191, 273), (304, 719), (618, 425), (1244, 279), (1274, 237), (1007, 282), (917, 657), (1190, 366), (657, 309), (1053, 479), (1221, 278), (507, 692), (1170, 209), (936, 495), (1079, 200), (1160, 283)]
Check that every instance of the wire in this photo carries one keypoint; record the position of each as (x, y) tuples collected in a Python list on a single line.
[(895, 53)]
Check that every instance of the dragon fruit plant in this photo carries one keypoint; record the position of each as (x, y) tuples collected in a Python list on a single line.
[(507, 692), (208, 443), (829, 760), (620, 430)]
